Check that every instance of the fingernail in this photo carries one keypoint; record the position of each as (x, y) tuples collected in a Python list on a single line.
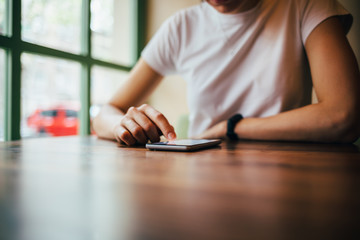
[(171, 136)]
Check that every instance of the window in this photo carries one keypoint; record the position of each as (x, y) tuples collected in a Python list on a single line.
[(2, 16), (47, 94), (71, 113), (104, 83), (52, 23), (49, 113), (2, 92), (52, 52), (110, 40)]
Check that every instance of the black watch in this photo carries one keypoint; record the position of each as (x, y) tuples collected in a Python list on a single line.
[(231, 123)]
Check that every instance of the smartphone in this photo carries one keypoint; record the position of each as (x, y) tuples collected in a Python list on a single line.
[(184, 145)]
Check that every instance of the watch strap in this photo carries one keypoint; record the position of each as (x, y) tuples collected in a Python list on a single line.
[(231, 123)]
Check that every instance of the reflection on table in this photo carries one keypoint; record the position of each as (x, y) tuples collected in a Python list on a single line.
[(87, 188)]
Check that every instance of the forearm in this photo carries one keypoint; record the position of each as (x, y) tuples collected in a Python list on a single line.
[(316, 122), (105, 122), (335, 76)]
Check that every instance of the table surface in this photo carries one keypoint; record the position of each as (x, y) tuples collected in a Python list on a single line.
[(88, 188)]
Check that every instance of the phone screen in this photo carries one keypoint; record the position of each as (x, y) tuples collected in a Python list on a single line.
[(184, 144)]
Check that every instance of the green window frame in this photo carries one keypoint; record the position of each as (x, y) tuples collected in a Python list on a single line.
[(14, 46)]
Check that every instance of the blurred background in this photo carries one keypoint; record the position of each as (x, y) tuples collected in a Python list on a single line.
[(52, 85)]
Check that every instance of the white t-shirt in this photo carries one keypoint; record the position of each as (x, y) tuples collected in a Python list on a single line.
[(253, 63)]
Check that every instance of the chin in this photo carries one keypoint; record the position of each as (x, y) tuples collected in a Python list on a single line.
[(224, 6), (219, 2)]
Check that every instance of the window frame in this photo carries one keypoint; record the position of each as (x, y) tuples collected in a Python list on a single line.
[(14, 46)]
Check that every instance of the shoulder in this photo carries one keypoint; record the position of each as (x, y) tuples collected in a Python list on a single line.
[(191, 14), (304, 4), (183, 23), (318, 5)]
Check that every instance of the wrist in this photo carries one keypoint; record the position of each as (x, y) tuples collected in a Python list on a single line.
[(116, 127), (231, 124)]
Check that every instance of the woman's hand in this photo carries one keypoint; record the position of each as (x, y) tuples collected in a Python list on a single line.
[(118, 120), (141, 124)]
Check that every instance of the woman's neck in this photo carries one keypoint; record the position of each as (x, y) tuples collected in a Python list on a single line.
[(233, 6)]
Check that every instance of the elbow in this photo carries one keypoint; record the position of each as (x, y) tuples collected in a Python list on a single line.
[(95, 124), (345, 127)]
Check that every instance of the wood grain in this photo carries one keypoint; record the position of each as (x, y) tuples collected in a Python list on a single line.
[(88, 188)]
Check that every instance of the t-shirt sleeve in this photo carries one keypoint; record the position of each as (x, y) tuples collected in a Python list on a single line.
[(315, 12), (160, 53)]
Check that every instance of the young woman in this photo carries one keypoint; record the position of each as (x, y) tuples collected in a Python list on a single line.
[(250, 66)]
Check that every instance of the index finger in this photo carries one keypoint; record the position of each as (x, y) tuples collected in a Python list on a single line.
[(159, 120)]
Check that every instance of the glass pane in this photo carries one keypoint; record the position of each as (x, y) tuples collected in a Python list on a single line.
[(53, 23), (2, 93), (104, 83), (50, 96), (2, 16), (111, 30)]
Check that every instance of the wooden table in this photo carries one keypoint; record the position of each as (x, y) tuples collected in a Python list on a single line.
[(87, 188)]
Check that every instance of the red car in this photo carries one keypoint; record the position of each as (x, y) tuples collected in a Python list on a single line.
[(58, 121)]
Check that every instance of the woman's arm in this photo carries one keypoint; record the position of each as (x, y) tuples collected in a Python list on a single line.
[(336, 80), (127, 122)]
